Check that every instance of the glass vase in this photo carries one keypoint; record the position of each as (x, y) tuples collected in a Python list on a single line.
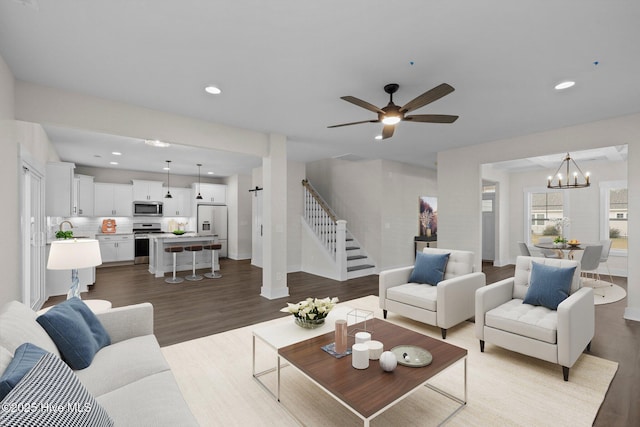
[(309, 323)]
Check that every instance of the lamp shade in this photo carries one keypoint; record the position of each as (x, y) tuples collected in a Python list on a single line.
[(74, 253)]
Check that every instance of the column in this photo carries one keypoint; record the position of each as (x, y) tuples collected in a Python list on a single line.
[(274, 249)]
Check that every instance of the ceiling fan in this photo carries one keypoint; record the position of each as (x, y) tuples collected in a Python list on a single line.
[(393, 114)]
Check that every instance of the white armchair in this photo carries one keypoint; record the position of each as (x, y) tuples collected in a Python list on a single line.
[(445, 305), (558, 336)]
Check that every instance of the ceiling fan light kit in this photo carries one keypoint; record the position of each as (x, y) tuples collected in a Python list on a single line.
[(567, 184), (393, 114)]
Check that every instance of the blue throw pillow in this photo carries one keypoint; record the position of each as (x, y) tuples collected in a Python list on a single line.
[(25, 357), (429, 268), (77, 332), (548, 286)]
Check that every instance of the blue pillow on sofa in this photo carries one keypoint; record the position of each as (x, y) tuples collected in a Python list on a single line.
[(548, 286), (429, 268), (77, 332), (25, 357)]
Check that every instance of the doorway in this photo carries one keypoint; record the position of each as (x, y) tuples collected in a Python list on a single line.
[(32, 231), (489, 221)]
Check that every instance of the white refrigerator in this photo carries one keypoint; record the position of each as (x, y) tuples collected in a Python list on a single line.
[(213, 219)]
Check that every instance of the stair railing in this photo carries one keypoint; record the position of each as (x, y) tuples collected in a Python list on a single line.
[(323, 221)]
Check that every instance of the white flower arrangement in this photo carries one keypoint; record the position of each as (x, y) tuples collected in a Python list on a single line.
[(311, 308)]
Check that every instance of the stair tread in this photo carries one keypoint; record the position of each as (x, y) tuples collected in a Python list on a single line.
[(352, 248), (360, 267), (354, 257)]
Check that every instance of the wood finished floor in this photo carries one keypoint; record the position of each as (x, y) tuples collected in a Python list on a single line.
[(195, 309)]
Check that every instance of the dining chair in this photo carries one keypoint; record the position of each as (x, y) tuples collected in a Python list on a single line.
[(589, 264), (604, 258), (524, 249)]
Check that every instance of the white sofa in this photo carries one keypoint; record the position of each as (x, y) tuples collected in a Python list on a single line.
[(447, 304), (558, 336), (130, 378)]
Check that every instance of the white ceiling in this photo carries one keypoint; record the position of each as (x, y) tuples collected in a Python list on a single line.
[(284, 64)]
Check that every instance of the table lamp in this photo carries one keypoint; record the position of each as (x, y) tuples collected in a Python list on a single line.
[(73, 254)]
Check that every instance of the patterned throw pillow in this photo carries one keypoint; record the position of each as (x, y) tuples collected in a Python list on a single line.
[(51, 395)]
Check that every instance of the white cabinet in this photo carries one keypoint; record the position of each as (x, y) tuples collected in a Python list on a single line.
[(147, 190), (113, 199), (83, 200), (116, 247), (59, 189), (179, 204), (211, 193)]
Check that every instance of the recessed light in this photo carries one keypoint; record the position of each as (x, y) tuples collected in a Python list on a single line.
[(116, 153), (210, 173), (166, 168), (378, 137), (113, 163), (156, 143), (213, 90), (564, 85)]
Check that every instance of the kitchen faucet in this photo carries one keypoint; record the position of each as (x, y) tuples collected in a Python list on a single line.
[(68, 222)]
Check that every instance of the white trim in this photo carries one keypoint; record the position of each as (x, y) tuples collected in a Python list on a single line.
[(527, 209), (632, 313), (605, 187)]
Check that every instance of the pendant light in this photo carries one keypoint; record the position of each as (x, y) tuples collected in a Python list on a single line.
[(199, 196), (568, 182), (168, 195)]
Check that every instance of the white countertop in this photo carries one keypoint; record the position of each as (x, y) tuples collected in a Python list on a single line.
[(189, 235)]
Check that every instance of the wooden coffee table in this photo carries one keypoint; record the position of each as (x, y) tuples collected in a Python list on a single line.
[(356, 389)]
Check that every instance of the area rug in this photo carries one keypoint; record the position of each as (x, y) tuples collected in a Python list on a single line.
[(605, 292), (504, 388)]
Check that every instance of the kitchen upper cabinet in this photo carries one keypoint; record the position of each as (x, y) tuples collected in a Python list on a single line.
[(59, 189), (83, 193), (115, 248), (179, 204), (113, 199), (211, 193), (147, 190)]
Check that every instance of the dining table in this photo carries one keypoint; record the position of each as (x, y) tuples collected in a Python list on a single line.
[(560, 249)]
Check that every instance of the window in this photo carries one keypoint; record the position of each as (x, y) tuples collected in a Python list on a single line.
[(615, 206), (544, 207)]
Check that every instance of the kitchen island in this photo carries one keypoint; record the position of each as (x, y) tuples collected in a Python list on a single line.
[(161, 262)]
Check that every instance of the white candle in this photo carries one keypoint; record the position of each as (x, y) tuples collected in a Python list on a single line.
[(360, 356), (375, 349), (362, 337)]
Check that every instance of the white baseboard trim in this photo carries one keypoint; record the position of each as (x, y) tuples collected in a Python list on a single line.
[(632, 313)]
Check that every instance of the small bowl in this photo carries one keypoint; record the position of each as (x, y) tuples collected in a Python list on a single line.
[(178, 232)]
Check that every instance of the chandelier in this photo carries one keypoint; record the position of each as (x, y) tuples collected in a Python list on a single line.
[(577, 179)]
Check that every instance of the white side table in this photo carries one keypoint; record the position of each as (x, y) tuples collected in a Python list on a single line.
[(95, 305)]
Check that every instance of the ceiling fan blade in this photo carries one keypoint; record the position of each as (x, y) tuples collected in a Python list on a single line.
[(427, 97), (363, 104), (354, 123), (387, 131), (431, 118)]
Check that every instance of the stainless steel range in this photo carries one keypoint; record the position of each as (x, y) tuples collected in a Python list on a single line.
[(141, 232)]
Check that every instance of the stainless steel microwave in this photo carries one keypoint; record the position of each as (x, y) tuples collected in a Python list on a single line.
[(147, 208)]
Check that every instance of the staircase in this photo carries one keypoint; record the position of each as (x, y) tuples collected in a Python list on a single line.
[(348, 258)]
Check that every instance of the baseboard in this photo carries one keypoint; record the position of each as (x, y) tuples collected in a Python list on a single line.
[(632, 313)]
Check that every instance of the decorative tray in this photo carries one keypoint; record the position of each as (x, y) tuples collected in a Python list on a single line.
[(411, 355)]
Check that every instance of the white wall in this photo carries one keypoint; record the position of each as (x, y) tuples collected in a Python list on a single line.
[(239, 227), (502, 214), (10, 288), (379, 201), (459, 178)]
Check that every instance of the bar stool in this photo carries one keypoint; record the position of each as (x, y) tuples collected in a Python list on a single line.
[(174, 250), (213, 247), (193, 249)]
